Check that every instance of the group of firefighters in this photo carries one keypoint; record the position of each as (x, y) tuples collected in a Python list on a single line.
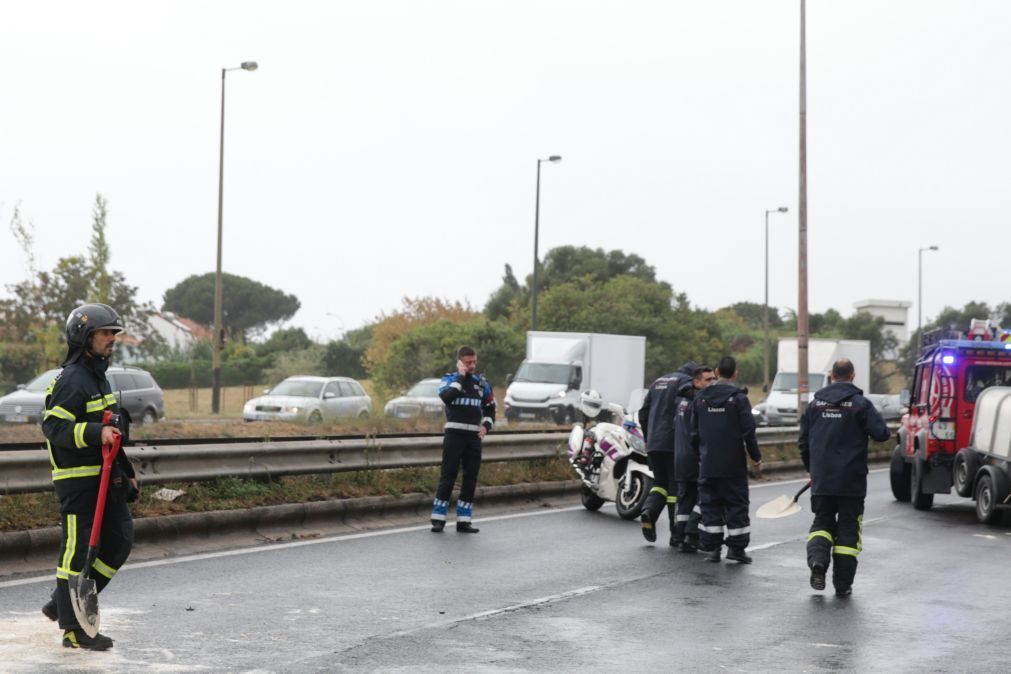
[(700, 434), (696, 421)]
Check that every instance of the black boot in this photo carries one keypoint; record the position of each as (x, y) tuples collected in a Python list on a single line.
[(438, 526), (818, 577), (714, 554), (648, 530), (49, 608), (78, 639), (738, 555), (466, 528)]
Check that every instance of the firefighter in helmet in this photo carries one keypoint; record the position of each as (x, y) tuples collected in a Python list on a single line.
[(75, 433)]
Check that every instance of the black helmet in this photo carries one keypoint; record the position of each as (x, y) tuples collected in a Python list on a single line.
[(84, 321)]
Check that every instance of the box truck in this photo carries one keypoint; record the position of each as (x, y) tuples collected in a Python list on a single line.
[(780, 406), (559, 365)]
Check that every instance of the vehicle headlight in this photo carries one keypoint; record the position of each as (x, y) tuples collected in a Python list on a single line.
[(249, 407), (560, 394), (388, 409), (293, 410)]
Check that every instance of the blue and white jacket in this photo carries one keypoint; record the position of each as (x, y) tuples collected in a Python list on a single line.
[(470, 402)]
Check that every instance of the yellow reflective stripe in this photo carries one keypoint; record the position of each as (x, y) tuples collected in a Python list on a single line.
[(659, 490), (843, 550), (59, 413), (104, 569), (68, 554), (79, 435), (77, 471), (672, 499), (824, 534), (64, 573), (52, 459), (98, 405)]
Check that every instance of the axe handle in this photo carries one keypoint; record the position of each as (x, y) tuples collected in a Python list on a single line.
[(108, 455), (802, 490)]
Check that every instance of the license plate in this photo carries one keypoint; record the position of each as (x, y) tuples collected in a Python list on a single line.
[(16, 418), (527, 415)]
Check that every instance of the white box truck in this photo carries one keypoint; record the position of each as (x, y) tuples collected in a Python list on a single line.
[(559, 365), (780, 406)]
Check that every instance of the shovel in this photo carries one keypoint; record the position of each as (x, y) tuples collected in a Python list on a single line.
[(83, 590), (782, 506)]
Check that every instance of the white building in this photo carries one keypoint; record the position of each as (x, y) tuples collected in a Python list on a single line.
[(895, 313), (178, 333)]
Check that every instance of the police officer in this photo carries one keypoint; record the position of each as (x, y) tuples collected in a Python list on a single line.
[(470, 414), (686, 464), (75, 434), (722, 431), (656, 418), (833, 446)]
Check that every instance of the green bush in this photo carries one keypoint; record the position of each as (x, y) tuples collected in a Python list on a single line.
[(181, 374)]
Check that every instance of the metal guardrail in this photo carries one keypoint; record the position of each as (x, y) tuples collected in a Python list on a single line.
[(27, 471)]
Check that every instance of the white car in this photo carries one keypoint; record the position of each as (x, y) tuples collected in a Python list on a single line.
[(422, 400), (310, 399)]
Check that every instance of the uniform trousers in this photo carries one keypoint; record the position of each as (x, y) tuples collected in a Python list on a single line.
[(835, 536), (724, 504)]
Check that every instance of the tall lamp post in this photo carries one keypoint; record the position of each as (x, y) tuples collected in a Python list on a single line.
[(802, 317), (765, 318), (919, 292), (219, 336), (537, 229)]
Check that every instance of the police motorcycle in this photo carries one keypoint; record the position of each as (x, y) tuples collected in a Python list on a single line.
[(608, 453)]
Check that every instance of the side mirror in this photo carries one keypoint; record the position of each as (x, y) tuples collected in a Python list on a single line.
[(575, 382), (403, 392), (266, 391), (329, 395), (20, 387), (509, 378), (904, 397)]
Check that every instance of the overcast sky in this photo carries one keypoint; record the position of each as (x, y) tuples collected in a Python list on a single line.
[(388, 148)]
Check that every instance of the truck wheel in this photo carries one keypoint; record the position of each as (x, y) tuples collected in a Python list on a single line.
[(920, 500), (591, 501), (632, 493), (963, 472), (989, 493), (899, 474)]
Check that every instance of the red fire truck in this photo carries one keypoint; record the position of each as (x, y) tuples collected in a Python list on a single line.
[(932, 455)]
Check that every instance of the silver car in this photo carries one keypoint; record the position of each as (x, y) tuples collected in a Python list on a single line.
[(310, 399), (139, 396), (422, 400), (889, 406)]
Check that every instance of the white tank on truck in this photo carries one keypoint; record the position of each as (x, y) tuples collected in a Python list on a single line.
[(559, 365), (982, 469), (781, 404)]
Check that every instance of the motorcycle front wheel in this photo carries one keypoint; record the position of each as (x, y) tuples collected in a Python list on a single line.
[(632, 495), (590, 500)]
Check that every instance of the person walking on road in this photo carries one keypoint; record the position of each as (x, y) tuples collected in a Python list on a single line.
[(833, 445), (75, 434), (656, 418), (470, 415), (685, 534), (723, 430)]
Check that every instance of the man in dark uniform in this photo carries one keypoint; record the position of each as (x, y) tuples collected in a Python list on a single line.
[(723, 430), (686, 464), (833, 446), (75, 434), (656, 418), (470, 414)]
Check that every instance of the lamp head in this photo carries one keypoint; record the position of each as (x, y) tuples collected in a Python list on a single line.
[(249, 65), (555, 158), (932, 248), (782, 209)]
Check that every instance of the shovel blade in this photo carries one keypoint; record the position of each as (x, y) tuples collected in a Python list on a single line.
[(782, 506), (84, 600)]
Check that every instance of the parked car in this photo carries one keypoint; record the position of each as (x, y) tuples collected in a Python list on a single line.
[(311, 399), (758, 413), (421, 400), (889, 406), (139, 396)]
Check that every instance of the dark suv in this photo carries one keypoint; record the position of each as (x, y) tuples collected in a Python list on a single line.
[(139, 396)]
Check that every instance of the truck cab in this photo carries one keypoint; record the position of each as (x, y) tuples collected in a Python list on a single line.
[(947, 381)]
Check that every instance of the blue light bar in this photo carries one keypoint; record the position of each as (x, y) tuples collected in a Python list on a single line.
[(947, 360), (1008, 346)]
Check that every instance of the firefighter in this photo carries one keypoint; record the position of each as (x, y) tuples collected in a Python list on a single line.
[(470, 415), (656, 418), (686, 464), (833, 446), (723, 430), (72, 424)]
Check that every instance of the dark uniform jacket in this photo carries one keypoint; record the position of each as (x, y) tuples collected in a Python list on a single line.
[(686, 457), (470, 402), (656, 416), (72, 425), (833, 439), (723, 429)]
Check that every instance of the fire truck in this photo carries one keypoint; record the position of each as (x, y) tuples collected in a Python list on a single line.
[(934, 451)]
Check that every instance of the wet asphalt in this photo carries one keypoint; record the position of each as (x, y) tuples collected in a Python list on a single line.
[(552, 588)]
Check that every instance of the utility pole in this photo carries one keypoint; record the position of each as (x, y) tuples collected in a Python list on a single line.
[(802, 324)]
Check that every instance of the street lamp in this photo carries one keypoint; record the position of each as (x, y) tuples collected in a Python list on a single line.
[(218, 337), (919, 292), (765, 318), (537, 225)]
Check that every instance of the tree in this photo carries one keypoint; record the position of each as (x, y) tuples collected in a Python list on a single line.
[(415, 312), (862, 325), (308, 361), (286, 339), (346, 356), (99, 250), (754, 315), (248, 306), (500, 304)]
